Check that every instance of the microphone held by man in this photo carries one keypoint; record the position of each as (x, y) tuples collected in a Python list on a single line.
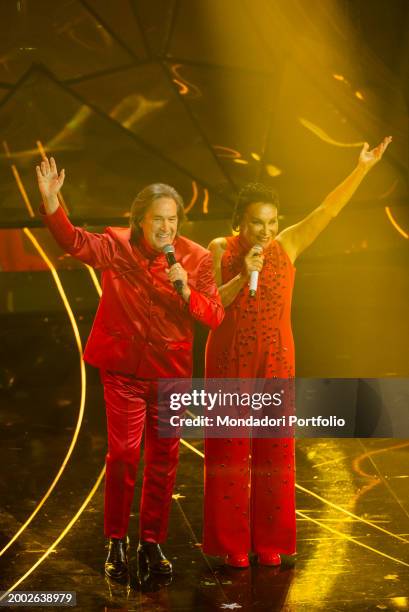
[(169, 251)]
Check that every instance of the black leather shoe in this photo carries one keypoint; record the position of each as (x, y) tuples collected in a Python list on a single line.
[(116, 565), (151, 559)]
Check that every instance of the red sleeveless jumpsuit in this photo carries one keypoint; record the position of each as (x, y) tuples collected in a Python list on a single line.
[(249, 483)]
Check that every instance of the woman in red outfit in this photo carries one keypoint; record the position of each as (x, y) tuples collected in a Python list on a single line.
[(250, 483)]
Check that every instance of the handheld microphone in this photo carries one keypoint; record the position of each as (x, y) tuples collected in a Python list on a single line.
[(169, 251), (254, 275)]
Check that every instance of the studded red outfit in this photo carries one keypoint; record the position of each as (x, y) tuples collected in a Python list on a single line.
[(249, 483), (142, 331)]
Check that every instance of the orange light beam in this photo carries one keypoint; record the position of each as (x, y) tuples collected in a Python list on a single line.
[(320, 133), (194, 197), (206, 201), (395, 223), (77, 336), (352, 539), (226, 152), (95, 280), (83, 391), (184, 83), (351, 514), (60, 537), (183, 88), (19, 182)]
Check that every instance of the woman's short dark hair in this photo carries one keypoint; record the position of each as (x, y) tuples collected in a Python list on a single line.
[(250, 193), (145, 198)]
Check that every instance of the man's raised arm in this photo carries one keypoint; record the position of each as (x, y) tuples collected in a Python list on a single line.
[(91, 248)]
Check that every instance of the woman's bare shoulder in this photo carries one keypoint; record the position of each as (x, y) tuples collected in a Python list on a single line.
[(218, 245)]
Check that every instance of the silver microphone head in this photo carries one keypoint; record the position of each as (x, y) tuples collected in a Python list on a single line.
[(258, 248), (168, 248)]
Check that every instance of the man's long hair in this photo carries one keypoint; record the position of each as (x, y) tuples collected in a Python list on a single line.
[(250, 193), (145, 198)]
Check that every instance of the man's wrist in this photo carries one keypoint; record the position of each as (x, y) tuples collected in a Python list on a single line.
[(51, 204)]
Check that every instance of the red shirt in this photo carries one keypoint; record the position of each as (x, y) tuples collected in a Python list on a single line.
[(142, 326)]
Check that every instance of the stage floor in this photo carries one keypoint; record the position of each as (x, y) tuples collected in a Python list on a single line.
[(353, 527)]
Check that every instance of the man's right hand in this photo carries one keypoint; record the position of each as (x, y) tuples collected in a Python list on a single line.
[(253, 262), (49, 183)]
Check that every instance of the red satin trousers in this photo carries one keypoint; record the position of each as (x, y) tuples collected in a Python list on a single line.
[(249, 501), (131, 406)]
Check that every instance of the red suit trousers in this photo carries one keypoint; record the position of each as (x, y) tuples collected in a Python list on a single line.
[(131, 406), (249, 501)]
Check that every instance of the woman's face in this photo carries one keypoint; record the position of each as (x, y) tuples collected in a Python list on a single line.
[(259, 224)]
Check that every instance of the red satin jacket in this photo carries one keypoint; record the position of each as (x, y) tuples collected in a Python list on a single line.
[(142, 326)]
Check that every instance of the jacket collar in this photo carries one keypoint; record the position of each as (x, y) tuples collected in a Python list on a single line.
[(150, 253)]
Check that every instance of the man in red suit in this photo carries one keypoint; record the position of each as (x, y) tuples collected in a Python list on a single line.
[(143, 330)]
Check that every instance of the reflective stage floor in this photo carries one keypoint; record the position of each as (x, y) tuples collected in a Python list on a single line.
[(352, 500)]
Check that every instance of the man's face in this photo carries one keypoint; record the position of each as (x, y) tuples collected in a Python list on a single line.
[(259, 224), (160, 223)]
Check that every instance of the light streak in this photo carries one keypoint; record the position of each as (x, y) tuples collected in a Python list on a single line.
[(83, 389), (184, 84), (395, 223), (374, 480), (60, 537), (77, 336), (74, 439), (194, 197), (226, 152), (80, 415), (133, 108), (351, 539), (358, 94), (95, 280), (183, 88), (325, 137), (206, 201), (192, 448), (19, 182), (351, 514), (377, 451)]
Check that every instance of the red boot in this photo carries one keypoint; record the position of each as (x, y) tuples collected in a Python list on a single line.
[(269, 558), (239, 560)]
